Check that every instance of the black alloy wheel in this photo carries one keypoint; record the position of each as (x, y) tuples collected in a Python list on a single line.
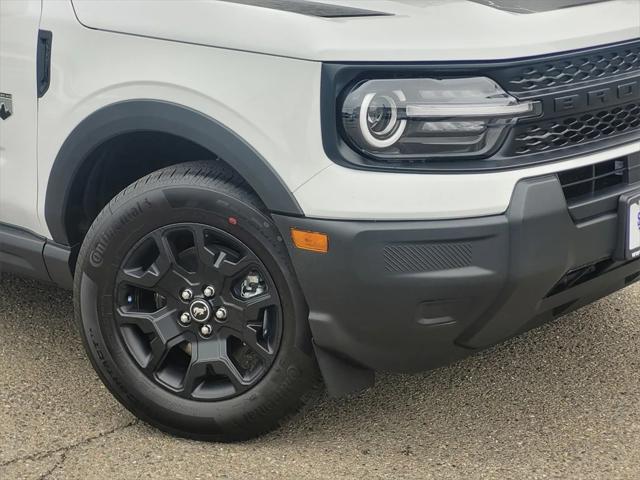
[(189, 308), (198, 311)]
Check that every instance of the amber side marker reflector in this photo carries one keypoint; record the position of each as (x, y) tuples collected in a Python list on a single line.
[(312, 241)]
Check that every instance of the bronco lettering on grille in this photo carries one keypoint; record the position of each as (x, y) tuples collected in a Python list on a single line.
[(598, 97)]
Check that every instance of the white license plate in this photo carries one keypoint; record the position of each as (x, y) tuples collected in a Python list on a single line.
[(630, 209)]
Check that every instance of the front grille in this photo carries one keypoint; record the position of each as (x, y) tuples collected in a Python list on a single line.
[(575, 129), (595, 190), (593, 179), (572, 70)]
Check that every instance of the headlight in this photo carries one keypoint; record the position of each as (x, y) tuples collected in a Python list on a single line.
[(398, 119), (379, 119)]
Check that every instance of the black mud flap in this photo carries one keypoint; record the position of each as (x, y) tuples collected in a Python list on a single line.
[(342, 377)]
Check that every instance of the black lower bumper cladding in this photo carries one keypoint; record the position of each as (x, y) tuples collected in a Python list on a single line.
[(412, 295)]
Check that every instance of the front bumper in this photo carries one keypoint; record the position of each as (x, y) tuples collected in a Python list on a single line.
[(412, 295)]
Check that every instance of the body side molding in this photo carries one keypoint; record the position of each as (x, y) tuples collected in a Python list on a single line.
[(158, 116)]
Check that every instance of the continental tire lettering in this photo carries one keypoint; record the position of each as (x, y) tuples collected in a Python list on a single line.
[(96, 256)]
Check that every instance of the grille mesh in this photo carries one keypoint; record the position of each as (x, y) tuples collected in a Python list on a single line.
[(593, 179), (582, 68), (426, 257), (575, 130)]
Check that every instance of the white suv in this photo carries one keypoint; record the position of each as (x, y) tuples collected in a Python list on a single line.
[(249, 196)]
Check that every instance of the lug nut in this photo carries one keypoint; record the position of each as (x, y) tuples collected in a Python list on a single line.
[(209, 291), (185, 319), (206, 330), (221, 313), (186, 294)]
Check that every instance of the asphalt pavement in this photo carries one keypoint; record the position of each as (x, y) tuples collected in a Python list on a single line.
[(562, 401)]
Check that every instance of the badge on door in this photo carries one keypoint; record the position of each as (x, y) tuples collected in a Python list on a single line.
[(6, 106)]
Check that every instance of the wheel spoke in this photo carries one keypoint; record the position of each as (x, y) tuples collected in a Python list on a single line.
[(250, 337), (226, 368), (174, 277), (195, 374), (161, 323), (149, 277), (158, 351), (211, 356), (247, 320), (206, 256), (172, 282), (260, 329), (254, 307), (164, 275), (229, 268)]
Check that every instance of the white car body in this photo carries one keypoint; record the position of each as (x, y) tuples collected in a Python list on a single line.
[(242, 64)]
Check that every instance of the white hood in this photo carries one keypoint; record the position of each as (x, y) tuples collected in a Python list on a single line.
[(414, 30)]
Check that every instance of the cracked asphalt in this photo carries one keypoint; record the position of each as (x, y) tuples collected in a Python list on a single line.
[(562, 401)]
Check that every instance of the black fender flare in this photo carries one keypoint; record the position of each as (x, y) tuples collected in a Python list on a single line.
[(158, 116)]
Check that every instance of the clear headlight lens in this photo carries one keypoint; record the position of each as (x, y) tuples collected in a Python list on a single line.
[(430, 118)]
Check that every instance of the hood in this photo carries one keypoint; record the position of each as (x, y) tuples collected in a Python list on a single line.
[(375, 30)]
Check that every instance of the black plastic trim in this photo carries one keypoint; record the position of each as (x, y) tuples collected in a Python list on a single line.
[(606, 202), (27, 254), (338, 77), (602, 201), (457, 285), (342, 377), (21, 253), (157, 116), (43, 69), (60, 262), (313, 9)]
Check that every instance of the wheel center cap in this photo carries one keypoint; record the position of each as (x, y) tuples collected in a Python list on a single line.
[(200, 310)]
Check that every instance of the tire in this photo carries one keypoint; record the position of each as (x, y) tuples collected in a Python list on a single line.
[(196, 224)]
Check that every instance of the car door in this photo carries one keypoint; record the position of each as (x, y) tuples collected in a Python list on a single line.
[(19, 37)]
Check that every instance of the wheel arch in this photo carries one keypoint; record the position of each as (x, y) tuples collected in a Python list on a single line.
[(156, 116)]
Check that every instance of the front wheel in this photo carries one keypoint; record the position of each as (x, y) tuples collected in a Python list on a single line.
[(189, 308)]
